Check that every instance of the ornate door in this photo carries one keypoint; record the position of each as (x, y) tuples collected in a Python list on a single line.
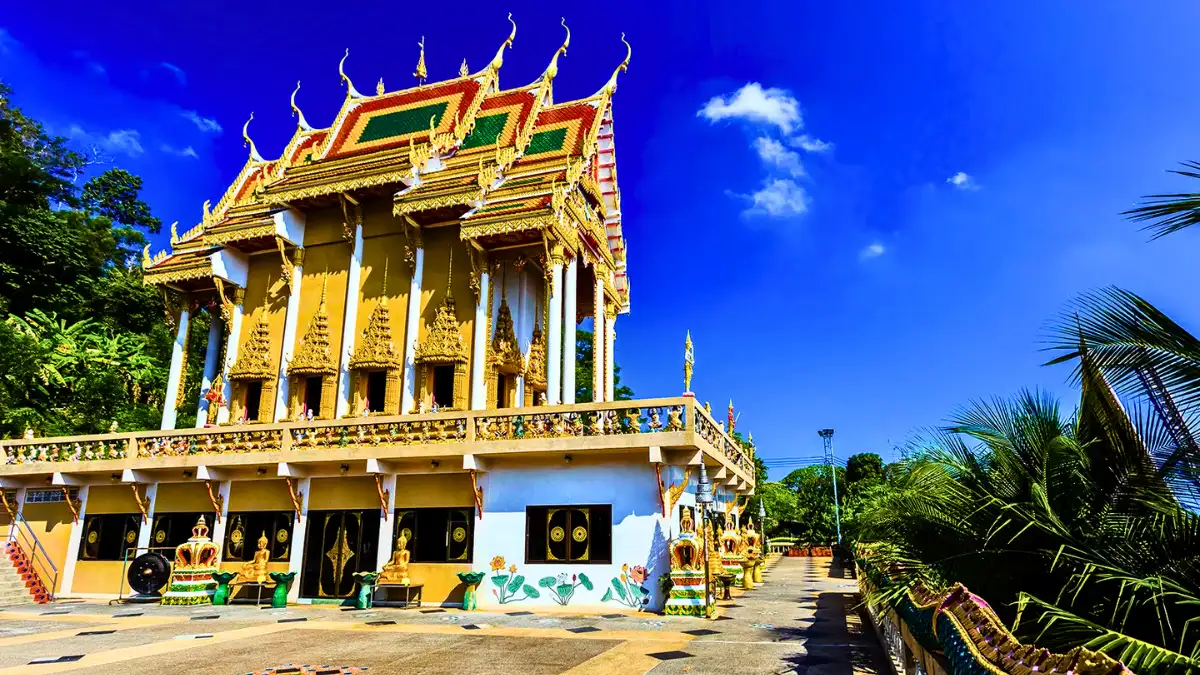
[(339, 543)]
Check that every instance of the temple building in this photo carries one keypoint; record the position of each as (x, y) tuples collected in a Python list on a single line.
[(392, 305)]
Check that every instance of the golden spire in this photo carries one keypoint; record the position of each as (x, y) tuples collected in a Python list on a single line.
[(300, 121), (498, 59), (379, 87), (315, 356), (450, 275), (383, 291), (463, 71), (351, 92), (689, 360), (611, 86), (325, 289), (421, 73), (246, 140), (552, 69)]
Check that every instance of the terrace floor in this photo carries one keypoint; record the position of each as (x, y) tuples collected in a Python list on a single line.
[(803, 620)]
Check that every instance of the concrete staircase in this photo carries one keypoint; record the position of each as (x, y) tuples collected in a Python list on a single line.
[(19, 584)]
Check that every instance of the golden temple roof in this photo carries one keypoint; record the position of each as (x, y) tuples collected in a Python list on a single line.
[(456, 149)]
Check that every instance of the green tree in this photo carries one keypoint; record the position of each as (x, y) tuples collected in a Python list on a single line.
[(583, 371), (84, 338)]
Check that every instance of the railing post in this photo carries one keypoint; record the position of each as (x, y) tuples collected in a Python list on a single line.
[(470, 427), (285, 439)]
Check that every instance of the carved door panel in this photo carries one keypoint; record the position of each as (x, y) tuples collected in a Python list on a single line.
[(339, 543)]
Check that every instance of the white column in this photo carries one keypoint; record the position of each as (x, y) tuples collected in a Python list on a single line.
[(212, 355), (386, 522), (218, 528), (73, 541), (554, 331), (568, 346), (349, 322), (147, 528), (299, 526), (610, 329), (289, 342), (598, 338), (412, 324), (231, 349), (171, 401), (479, 344)]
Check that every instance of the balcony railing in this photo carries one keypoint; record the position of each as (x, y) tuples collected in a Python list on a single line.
[(583, 420)]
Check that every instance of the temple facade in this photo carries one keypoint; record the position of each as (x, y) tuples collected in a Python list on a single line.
[(392, 306)]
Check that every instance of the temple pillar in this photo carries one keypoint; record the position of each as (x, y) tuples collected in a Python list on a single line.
[(570, 276), (290, 319), (522, 308), (231, 349), (387, 482), (479, 343), (598, 338), (178, 352), (218, 528), (212, 357), (412, 322), (554, 335), (299, 527), (610, 344), (349, 323), (147, 527), (73, 542)]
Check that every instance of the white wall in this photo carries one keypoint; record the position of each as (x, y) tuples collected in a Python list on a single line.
[(639, 534)]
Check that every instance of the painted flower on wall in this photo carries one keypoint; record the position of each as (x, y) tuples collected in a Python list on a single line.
[(563, 588), (510, 587), (627, 588)]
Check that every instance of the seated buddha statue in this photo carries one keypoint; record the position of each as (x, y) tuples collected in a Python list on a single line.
[(685, 522), (255, 571), (396, 569)]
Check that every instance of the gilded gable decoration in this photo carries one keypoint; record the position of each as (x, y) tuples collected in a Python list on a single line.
[(254, 358), (443, 345), (535, 368), (376, 351), (504, 352), (315, 357)]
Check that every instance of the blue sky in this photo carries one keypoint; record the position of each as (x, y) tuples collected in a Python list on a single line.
[(787, 169)]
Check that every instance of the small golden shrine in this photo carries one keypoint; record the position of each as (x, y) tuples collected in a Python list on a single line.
[(687, 570), (195, 562)]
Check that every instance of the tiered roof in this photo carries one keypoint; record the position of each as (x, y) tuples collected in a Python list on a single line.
[(511, 165)]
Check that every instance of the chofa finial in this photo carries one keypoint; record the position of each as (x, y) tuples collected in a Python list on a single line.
[(498, 59), (351, 92), (246, 141), (300, 121), (611, 86), (552, 69), (463, 71)]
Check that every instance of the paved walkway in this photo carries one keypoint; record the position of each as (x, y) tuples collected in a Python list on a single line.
[(803, 620)]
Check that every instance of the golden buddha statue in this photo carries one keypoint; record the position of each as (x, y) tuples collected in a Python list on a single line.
[(396, 570), (255, 571)]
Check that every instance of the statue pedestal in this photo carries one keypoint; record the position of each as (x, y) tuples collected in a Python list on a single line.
[(471, 580), (687, 594), (366, 589), (748, 575), (282, 581), (221, 595), (733, 565)]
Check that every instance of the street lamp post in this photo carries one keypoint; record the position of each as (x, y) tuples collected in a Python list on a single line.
[(704, 500), (827, 438)]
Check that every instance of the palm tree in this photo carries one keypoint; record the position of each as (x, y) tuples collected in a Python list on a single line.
[(1169, 213), (1065, 525)]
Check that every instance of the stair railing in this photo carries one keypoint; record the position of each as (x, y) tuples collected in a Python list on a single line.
[(39, 561)]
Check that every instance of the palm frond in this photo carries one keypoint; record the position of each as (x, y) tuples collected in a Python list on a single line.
[(1169, 213)]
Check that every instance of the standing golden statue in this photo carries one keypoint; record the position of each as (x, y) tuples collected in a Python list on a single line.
[(689, 361)]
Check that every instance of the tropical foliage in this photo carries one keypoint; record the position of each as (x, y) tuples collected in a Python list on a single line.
[(1079, 528), (583, 371), (83, 343)]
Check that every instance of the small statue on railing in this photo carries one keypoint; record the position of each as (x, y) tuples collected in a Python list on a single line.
[(675, 419)]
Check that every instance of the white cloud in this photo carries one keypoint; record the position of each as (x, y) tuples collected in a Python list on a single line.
[(775, 107), (189, 151), (809, 144), (96, 68), (176, 71), (122, 141), (962, 181), (779, 198), (202, 123), (774, 154), (872, 251)]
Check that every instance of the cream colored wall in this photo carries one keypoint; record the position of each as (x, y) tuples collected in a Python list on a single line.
[(100, 576), (413, 492), (353, 492), (51, 524), (440, 579), (181, 498), (103, 499), (264, 272), (259, 495)]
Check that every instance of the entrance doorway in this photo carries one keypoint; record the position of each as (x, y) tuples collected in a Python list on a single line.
[(338, 544)]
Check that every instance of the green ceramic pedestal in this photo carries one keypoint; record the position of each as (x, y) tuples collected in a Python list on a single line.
[(366, 589), (471, 579), (282, 581), (221, 596)]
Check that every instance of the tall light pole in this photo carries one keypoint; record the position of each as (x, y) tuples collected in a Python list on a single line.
[(704, 500), (827, 438)]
